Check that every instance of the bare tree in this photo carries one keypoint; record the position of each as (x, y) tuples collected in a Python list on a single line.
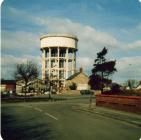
[(27, 72)]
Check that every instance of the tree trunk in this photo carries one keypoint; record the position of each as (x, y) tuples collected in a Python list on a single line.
[(101, 78), (25, 91), (102, 82)]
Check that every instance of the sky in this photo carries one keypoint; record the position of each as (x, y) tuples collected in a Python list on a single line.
[(115, 24)]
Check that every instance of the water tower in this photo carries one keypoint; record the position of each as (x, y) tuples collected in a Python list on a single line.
[(58, 56)]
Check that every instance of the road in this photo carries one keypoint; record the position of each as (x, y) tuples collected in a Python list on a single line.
[(67, 120)]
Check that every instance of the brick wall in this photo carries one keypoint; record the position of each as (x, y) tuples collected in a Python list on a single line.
[(127, 103)]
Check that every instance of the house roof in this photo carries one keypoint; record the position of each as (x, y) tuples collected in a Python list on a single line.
[(73, 76), (8, 81)]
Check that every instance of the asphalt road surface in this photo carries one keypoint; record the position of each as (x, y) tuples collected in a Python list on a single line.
[(67, 120)]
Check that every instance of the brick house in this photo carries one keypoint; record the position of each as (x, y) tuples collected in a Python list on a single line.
[(79, 79), (8, 86)]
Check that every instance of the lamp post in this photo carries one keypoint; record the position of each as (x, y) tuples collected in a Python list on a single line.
[(132, 79), (129, 81)]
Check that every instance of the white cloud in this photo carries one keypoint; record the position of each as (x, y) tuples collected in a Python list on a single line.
[(90, 39), (85, 33), (86, 63), (128, 68), (135, 45), (140, 1), (20, 41), (139, 26), (9, 62)]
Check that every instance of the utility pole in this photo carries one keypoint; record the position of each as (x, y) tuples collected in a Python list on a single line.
[(90, 100)]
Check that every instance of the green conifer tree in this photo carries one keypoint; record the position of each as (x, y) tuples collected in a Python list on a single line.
[(101, 71)]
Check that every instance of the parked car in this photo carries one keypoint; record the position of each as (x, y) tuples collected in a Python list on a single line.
[(46, 92), (86, 92)]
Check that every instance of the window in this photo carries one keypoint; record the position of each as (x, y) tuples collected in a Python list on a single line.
[(54, 53), (62, 53), (52, 63), (61, 64), (61, 74)]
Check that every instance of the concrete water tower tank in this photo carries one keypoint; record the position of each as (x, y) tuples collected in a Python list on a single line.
[(58, 56)]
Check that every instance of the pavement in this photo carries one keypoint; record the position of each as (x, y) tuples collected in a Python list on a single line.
[(68, 120), (127, 117)]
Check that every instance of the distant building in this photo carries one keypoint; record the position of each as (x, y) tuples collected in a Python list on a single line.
[(139, 86), (79, 79), (8, 86)]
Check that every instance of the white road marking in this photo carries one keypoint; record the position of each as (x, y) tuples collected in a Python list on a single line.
[(27, 106), (51, 116), (40, 110)]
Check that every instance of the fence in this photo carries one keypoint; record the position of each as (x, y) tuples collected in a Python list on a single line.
[(127, 103)]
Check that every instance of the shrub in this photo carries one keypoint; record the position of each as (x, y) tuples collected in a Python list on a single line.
[(115, 88), (123, 92), (5, 94), (73, 86)]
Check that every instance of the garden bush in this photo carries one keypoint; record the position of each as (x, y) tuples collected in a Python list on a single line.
[(73, 86), (124, 92), (5, 94)]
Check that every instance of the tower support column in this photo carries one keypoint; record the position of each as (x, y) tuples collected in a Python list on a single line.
[(67, 61), (43, 64), (49, 57), (73, 62), (58, 61)]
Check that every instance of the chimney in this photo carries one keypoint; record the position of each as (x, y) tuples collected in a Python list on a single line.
[(81, 69)]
